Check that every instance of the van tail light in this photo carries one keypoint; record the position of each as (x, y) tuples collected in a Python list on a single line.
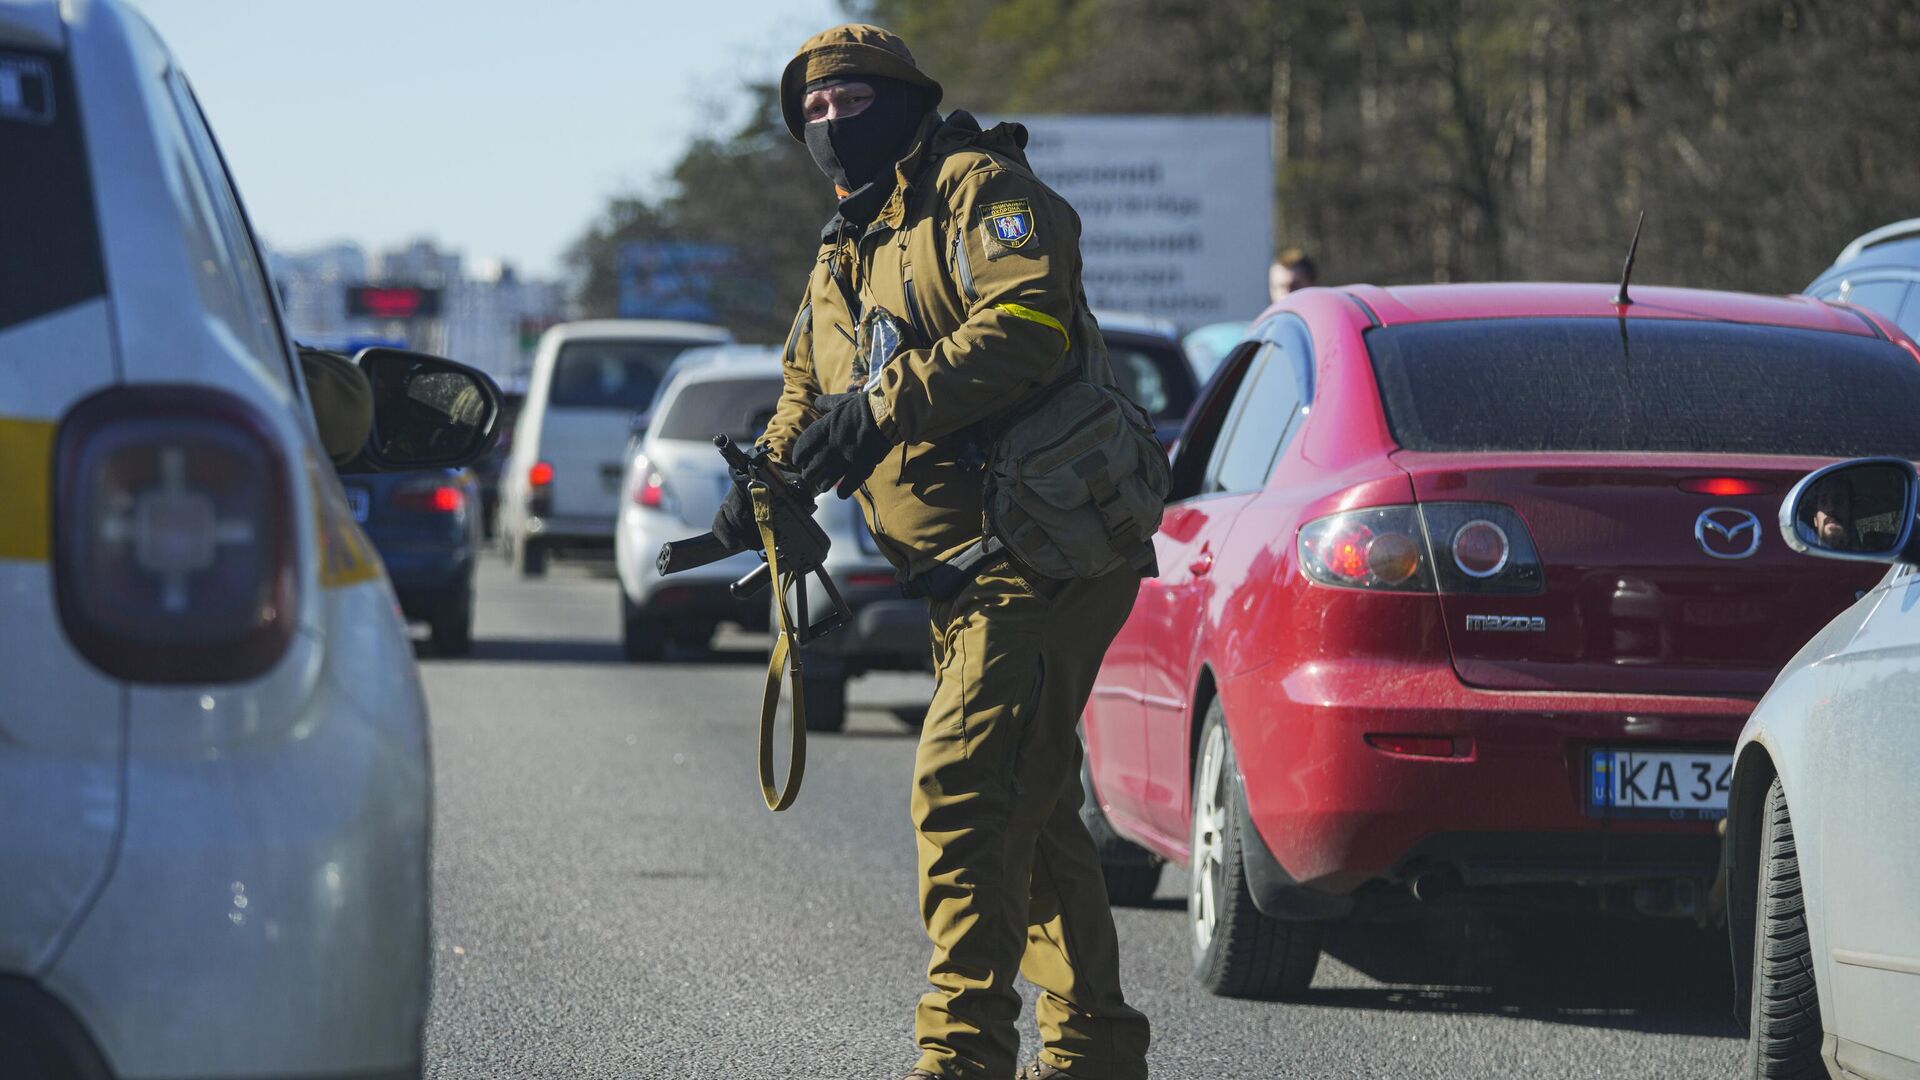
[(430, 497), (651, 491), (540, 488), (1432, 547), (1377, 548), (173, 536)]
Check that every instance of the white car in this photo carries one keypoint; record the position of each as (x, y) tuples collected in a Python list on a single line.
[(675, 482), (1823, 869), (214, 781), (560, 490)]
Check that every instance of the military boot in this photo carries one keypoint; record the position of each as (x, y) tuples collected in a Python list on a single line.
[(1040, 1070), (919, 1074)]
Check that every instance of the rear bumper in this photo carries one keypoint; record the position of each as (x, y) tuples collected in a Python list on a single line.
[(267, 914), (41, 1037), (424, 576), (886, 630), (1334, 812)]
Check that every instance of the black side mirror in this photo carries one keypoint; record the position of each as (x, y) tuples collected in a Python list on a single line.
[(428, 412), (1861, 510)]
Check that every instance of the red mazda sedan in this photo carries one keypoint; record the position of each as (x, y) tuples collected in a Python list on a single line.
[(1471, 587)]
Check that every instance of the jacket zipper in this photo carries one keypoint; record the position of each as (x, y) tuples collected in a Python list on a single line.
[(913, 305), (961, 269)]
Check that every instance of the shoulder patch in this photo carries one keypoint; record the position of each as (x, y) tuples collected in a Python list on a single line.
[(1006, 226)]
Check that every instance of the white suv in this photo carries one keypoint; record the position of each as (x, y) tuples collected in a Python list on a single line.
[(214, 782)]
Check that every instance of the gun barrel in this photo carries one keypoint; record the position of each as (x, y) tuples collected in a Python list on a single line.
[(678, 555)]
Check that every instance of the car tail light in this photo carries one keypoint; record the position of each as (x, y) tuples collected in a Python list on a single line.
[(430, 497), (1377, 548), (1444, 547), (651, 491), (173, 537), (1481, 548), (540, 475)]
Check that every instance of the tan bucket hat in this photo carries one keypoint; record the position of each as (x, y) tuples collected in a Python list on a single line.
[(852, 49)]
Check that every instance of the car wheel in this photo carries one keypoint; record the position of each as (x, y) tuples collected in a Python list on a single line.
[(451, 628), (1785, 1020), (1131, 872), (641, 639), (1237, 951), (530, 557), (826, 702)]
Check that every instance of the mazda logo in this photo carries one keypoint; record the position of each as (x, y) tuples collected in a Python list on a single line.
[(1727, 532)]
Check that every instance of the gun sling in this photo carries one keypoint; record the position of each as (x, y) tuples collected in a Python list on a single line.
[(785, 653)]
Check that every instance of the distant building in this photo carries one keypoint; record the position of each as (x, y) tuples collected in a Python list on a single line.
[(489, 316)]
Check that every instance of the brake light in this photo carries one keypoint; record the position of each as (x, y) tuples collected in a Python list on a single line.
[(1725, 485), (1376, 548), (1443, 547), (430, 498), (541, 474), (651, 492), (173, 538)]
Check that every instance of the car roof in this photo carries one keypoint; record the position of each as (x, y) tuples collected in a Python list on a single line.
[(1405, 304), (32, 23), (1129, 322), (1879, 238), (717, 362), (639, 328)]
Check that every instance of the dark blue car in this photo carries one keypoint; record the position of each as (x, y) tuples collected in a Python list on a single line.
[(426, 526)]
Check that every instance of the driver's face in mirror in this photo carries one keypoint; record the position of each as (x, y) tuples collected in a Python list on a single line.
[(1833, 514)]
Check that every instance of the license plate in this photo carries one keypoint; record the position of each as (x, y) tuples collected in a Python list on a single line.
[(611, 473), (1661, 783), (1720, 613), (358, 500)]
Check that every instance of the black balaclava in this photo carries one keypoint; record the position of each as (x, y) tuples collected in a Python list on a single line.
[(862, 150)]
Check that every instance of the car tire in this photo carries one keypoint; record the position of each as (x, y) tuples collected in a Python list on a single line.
[(642, 640), (1131, 872), (826, 702), (450, 631), (530, 557), (1237, 951), (1784, 1024)]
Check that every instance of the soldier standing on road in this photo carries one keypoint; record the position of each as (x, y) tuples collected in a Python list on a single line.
[(946, 241)]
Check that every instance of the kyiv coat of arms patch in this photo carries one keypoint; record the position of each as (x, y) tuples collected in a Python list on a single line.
[(1008, 225)]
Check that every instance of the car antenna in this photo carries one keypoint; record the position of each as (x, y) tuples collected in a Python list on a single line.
[(1626, 272)]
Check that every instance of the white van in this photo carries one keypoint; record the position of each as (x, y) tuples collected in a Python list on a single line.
[(591, 380)]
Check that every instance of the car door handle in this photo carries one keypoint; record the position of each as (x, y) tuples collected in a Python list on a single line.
[(1202, 565)]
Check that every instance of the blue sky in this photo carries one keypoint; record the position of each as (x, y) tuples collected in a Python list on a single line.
[(496, 128)]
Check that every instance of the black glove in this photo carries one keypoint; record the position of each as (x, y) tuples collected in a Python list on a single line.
[(733, 523), (841, 448)]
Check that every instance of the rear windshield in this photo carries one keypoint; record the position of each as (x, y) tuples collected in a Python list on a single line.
[(1580, 385), (612, 374), (49, 240), (1157, 377), (736, 408)]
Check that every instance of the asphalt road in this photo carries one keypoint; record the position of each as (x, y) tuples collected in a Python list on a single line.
[(612, 900)]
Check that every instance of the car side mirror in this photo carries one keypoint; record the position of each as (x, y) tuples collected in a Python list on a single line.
[(1861, 510), (428, 412)]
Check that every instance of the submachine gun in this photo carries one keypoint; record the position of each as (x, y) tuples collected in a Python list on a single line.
[(794, 546)]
